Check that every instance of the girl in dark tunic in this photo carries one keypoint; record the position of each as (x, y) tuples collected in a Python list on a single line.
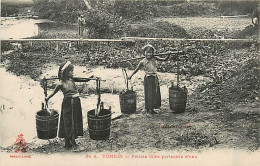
[(71, 121), (152, 92)]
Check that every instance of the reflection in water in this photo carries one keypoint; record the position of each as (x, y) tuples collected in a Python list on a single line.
[(12, 28)]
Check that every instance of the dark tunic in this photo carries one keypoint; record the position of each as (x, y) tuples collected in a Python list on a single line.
[(152, 92), (71, 121)]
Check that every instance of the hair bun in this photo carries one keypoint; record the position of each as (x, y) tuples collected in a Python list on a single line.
[(148, 46), (63, 67)]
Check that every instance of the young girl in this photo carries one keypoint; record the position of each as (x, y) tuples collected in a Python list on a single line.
[(152, 92), (71, 121)]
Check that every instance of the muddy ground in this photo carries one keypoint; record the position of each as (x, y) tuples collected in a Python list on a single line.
[(211, 121)]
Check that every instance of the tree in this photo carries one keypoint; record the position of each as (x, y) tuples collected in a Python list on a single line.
[(59, 10), (7, 10)]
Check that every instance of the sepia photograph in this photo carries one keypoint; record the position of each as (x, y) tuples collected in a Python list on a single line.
[(130, 82)]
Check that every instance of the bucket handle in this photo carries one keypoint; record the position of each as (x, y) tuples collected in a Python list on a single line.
[(97, 110), (178, 73), (44, 85), (50, 112), (125, 77)]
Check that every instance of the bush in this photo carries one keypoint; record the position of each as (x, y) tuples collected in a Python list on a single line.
[(62, 10), (102, 24), (200, 58), (161, 29), (236, 8), (7, 10), (187, 9), (6, 46), (134, 10)]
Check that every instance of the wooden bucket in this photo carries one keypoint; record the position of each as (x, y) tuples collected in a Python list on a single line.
[(127, 102), (46, 125), (177, 99), (99, 126)]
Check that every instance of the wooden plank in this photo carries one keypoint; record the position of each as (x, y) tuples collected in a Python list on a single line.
[(86, 40), (182, 39), (160, 54), (234, 16), (128, 39), (87, 5)]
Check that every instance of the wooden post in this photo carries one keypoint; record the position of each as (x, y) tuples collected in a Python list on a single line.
[(70, 45), (87, 4), (22, 47), (129, 39), (57, 46), (178, 72)]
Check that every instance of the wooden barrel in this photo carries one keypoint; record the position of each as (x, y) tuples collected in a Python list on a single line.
[(177, 99), (99, 126), (127, 102), (46, 125)]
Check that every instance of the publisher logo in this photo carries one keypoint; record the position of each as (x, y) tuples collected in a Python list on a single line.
[(20, 144)]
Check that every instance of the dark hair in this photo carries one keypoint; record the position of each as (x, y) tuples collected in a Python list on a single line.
[(148, 47), (64, 74)]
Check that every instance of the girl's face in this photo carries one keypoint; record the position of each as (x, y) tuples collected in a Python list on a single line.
[(148, 53), (71, 73)]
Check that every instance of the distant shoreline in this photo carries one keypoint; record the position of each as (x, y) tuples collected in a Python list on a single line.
[(17, 2)]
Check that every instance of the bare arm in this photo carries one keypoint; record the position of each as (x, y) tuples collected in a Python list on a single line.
[(57, 88), (136, 70), (162, 59)]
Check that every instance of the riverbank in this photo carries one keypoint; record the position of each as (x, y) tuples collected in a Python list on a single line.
[(27, 27)]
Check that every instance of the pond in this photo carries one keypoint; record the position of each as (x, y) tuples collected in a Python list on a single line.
[(14, 28)]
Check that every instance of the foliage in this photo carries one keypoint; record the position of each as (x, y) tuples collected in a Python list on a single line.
[(235, 8), (159, 29), (102, 24), (200, 58), (111, 19), (249, 31), (135, 10), (7, 10), (206, 8), (59, 10), (25, 64), (6, 46), (187, 9)]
